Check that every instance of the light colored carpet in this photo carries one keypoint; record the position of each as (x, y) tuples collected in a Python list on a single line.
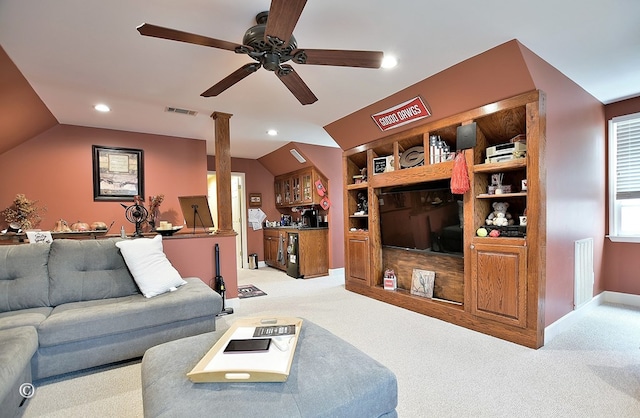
[(591, 370)]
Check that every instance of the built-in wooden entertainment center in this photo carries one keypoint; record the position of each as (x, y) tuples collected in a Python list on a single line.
[(496, 284)]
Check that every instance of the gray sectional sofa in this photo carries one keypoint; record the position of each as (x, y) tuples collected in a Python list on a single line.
[(73, 304)]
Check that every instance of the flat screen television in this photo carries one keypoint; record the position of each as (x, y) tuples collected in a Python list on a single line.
[(425, 216)]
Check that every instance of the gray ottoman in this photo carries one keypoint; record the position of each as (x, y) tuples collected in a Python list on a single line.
[(328, 378)]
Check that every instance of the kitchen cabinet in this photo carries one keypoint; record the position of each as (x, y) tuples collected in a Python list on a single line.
[(275, 248), (313, 249), (297, 188)]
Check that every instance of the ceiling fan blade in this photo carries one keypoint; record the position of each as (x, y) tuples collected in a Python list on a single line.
[(154, 31), (294, 83), (231, 79), (283, 17), (339, 57)]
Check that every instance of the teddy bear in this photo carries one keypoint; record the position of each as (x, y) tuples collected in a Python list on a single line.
[(499, 216)]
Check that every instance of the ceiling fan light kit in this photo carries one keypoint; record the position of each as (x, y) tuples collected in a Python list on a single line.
[(271, 44)]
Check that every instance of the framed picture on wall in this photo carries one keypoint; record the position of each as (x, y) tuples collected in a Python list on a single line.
[(118, 173), (255, 200)]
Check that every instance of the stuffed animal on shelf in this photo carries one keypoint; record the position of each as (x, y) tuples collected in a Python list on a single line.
[(499, 216)]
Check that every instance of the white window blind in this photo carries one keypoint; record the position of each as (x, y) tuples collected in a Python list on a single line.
[(627, 135)]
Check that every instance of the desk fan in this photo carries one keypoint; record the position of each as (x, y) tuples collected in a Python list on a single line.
[(136, 214)]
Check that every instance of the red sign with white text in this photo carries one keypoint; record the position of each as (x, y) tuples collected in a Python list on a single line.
[(407, 112)]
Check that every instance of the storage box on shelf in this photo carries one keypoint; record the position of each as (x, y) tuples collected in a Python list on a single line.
[(496, 285)]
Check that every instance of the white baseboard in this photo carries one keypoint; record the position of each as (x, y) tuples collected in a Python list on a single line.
[(622, 299), (562, 324)]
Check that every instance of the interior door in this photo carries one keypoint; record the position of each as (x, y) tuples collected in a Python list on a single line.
[(237, 212)]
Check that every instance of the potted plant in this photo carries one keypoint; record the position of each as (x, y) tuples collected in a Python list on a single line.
[(23, 213)]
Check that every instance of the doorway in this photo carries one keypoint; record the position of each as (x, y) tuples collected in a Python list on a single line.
[(237, 212)]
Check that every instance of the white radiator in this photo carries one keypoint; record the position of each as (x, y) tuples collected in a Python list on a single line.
[(583, 272)]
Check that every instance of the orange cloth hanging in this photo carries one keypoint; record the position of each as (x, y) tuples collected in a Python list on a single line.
[(460, 175)]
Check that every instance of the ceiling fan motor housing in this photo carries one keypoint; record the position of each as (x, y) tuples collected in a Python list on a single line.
[(270, 53)]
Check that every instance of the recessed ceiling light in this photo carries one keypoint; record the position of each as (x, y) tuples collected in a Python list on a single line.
[(272, 132), (389, 62), (102, 107)]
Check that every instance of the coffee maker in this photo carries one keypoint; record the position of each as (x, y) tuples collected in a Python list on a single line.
[(310, 218)]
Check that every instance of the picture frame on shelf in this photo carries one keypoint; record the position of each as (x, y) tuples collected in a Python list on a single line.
[(118, 173), (422, 283)]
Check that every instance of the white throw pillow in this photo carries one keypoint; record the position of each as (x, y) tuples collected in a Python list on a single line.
[(149, 266)]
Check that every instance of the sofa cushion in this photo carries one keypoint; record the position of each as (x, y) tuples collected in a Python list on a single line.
[(149, 266), (86, 270), (17, 347), (80, 321), (24, 317), (24, 282)]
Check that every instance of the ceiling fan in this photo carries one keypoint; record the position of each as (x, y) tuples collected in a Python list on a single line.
[(271, 43)]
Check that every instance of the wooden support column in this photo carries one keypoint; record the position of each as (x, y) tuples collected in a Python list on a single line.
[(223, 172)]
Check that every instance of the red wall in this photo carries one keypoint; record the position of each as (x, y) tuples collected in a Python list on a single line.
[(329, 162), (55, 168), (22, 114), (621, 259), (182, 252), (575, 162)]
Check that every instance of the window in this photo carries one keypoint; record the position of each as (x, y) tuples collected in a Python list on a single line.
[(624, 178)]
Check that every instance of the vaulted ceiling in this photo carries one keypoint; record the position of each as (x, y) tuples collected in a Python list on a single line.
[(75, 54)]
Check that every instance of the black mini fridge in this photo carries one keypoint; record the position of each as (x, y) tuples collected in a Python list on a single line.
[(293, 262)]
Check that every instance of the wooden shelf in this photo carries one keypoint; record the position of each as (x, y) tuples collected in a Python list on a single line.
[(500, 196), (408, 293), (420, 174), (518, 241), (517, 164), (357, 186)]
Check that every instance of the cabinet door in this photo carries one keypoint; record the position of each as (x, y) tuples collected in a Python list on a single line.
[(295, 189), (277, 188), (307, 190), (358, 260), (499, 283), (288, 195), (268, 256), (281, 250), (270, 250)]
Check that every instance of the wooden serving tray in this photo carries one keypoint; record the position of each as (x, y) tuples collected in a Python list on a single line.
[(270, 366)]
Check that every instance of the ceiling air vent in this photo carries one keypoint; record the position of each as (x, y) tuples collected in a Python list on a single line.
[(180, 111)]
